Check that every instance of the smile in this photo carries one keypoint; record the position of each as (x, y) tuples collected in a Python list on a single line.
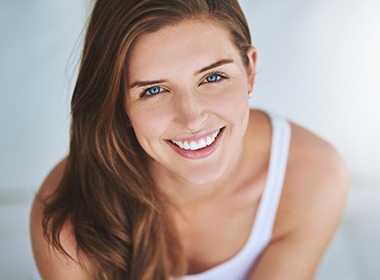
[(198, 147), (198, 144)]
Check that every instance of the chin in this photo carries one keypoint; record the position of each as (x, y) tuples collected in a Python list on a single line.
[(203, 177)]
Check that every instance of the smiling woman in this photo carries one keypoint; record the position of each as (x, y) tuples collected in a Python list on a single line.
[(170, 174), (204, 95)]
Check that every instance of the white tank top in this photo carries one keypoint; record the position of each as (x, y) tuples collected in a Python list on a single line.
[(239, 266)]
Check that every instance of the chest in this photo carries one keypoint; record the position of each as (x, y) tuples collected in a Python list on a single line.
[(215, 235)]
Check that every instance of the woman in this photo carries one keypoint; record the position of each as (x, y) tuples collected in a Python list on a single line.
[(169, 172)]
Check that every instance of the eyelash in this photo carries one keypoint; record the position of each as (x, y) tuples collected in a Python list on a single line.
[(144, 91), (221, 77)]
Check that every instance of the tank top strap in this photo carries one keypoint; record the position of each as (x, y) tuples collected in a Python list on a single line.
[(266, 215)]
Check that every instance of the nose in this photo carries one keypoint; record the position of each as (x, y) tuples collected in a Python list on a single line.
[(191, 111)]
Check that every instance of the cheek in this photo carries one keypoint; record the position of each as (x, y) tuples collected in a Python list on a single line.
[(148, 124), (235, 103)]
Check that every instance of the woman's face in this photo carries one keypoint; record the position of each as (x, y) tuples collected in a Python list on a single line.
[(187, 100)]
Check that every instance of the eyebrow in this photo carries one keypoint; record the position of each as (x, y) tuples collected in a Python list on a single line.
[(215, 64), (208, 67), (146, 83)]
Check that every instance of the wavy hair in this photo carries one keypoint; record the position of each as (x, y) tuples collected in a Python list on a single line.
[(120, 220)]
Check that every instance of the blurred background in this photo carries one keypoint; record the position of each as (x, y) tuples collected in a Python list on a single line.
[(319, 65)]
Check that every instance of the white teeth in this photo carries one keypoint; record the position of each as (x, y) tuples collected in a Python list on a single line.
[(202, 144), (193, 145), (209, 140), (186, 145)]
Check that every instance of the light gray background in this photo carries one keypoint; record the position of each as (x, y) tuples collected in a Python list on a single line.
[(319, 65)]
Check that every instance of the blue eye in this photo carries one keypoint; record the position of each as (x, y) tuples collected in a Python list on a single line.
[(213, 78), (153, 90)]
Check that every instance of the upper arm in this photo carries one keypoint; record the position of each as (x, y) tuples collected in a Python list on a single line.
[(52, 264), (309, 213)]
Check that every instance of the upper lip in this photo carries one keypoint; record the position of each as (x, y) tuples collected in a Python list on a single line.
[(196, 137)]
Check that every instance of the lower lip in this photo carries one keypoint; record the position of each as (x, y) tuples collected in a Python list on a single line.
[(201, 153)]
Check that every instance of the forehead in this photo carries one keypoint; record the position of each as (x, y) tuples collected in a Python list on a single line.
[(189, 44)]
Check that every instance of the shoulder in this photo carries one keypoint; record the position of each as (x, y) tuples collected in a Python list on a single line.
[(316, 184), (51, 263), (315, 165), (311, 205), (52, 180)]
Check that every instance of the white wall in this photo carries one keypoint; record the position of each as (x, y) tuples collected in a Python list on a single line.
[(319, 65), (37, 38)]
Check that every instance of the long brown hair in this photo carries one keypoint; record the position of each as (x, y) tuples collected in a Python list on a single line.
[(120, 220)]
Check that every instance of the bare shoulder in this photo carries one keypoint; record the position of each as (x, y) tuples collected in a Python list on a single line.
[(53, 179), (310, 209), (50, 263), (316, 183), (310, 157)]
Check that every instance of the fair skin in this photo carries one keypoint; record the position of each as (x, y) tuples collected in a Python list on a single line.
[(189, 107), (216, 189)]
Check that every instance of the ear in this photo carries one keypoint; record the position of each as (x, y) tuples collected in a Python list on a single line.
[(251, 69)]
